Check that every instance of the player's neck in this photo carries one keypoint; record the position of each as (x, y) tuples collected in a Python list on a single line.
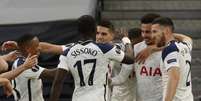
[(84, 38), (169, 38)]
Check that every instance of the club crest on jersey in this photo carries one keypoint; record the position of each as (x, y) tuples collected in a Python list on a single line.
[(171, 60)]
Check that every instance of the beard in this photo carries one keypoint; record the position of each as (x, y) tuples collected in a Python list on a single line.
[(148, 41), (161, 41)]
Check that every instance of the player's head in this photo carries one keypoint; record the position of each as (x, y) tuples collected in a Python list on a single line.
[(146, 22), (162, 28), (28, 44), (105, 32), (87, 26), (134, 35)]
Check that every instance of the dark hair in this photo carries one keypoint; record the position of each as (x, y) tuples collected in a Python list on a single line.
[(149, 18), (87, 25), (26, 38), (164, 21), (134, 33), (106, 23)]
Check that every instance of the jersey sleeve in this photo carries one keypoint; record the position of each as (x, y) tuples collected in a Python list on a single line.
[(64, 47), (123, 75), (63, 63), (170, 56), (33, 73), (189, 44), (115, 54), (172, 60)]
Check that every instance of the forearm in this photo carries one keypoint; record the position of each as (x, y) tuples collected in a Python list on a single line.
[(50, 48), (128, 50), (172, 85), (181, 37), (123, 75), (4, 57), (171, 90), (3, 65), (13, 73), (4, 81)]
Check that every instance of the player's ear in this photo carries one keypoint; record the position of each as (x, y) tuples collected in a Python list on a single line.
[(166, 30), (27, 49)]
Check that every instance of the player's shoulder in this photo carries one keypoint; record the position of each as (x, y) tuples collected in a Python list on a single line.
[(140, 45), (187, 44), (69, 46), (76, 45), (104, 47), (20, 61), (171, 47)]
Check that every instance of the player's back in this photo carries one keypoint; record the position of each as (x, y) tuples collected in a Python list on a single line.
[(183, 59), (88, 63), (27, 86)]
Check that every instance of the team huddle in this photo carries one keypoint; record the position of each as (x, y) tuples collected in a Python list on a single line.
[(150, 63)]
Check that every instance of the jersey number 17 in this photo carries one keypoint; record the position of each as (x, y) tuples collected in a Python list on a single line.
[(78, 64)]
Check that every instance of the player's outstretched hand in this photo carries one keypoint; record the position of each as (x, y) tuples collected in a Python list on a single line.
[(144, 54), (9, 45), (30, 61)]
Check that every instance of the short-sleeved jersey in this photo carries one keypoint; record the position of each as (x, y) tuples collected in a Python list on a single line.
[(27, 86), (125, 91), (88, 63), (178, 55), (148, 75)]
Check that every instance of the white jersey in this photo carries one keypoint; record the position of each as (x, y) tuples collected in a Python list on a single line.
[(126, 91), (178, 54), (149, 76), (27, 86), (88, 63)]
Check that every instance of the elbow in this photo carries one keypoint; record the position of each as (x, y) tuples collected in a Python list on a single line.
[(128, 60)]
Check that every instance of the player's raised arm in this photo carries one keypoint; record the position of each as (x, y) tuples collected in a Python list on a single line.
[(44, 47), (29, 63), (129, 55), (122, 76), (182, 37), (51, 48), (3, 65)]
